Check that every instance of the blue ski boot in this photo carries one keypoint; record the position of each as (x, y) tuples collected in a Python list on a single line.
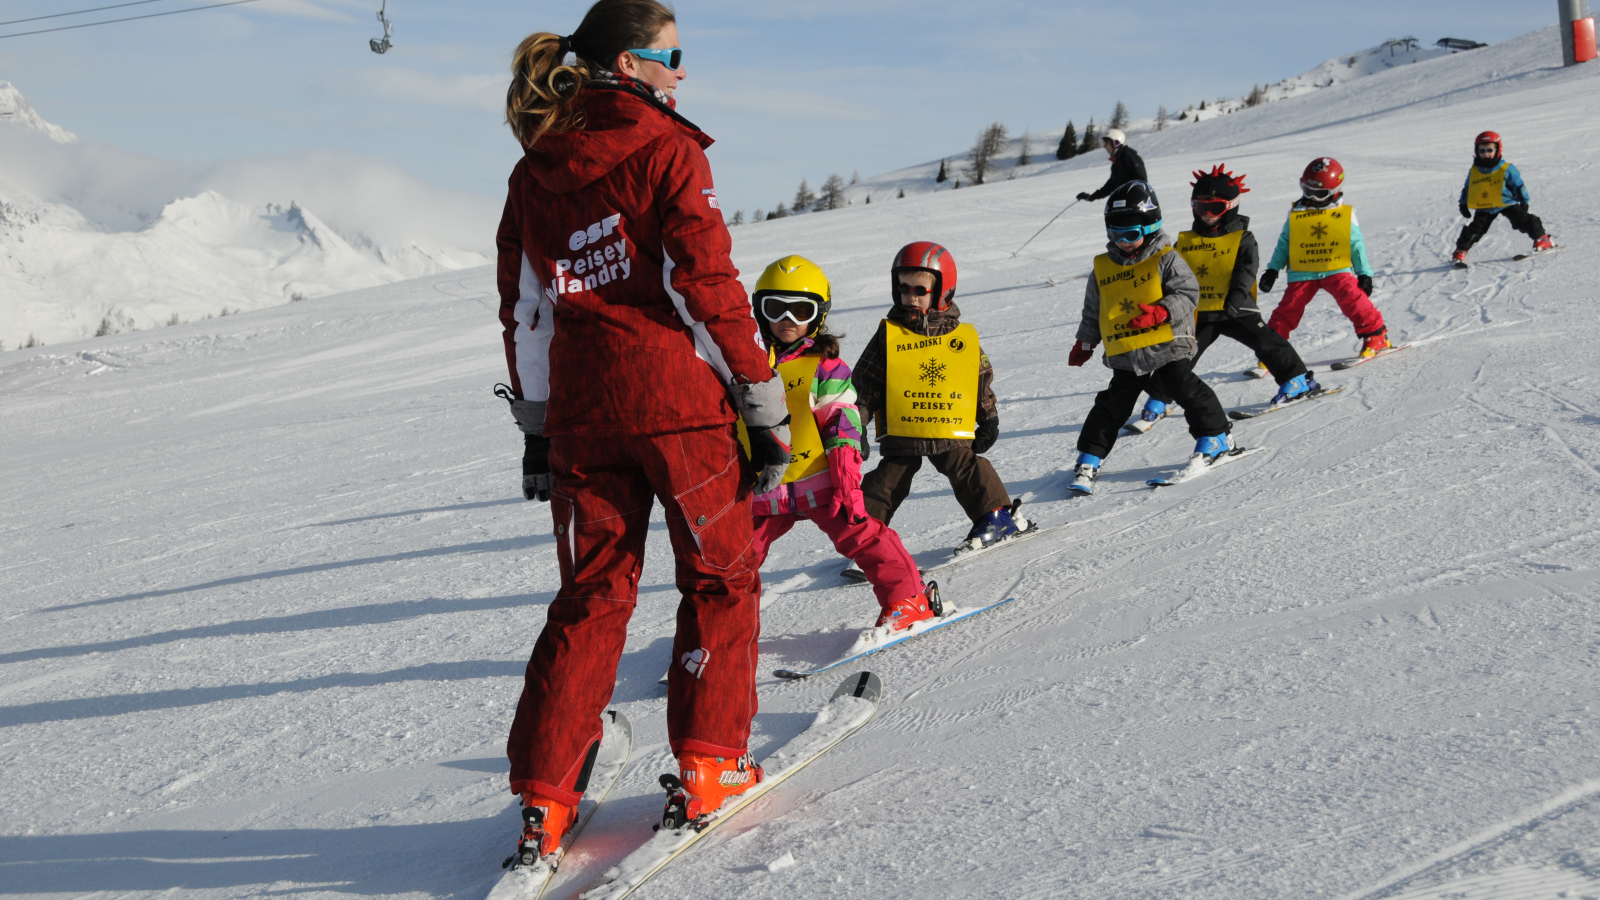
[(1296, 388), (992, 529), (1213, 446), (1153, 412), (1084, 472)]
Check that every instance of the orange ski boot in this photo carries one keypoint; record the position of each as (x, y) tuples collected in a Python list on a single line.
[(1543, 243), (544, 823), (1374, 343), (903, 614), (703, 784)]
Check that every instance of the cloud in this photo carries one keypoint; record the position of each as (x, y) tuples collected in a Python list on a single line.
[(469, 91)]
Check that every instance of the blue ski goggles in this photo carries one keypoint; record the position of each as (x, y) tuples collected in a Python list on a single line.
[(1127, 234), (671, 57)]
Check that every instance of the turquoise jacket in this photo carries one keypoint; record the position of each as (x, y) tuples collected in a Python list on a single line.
[(1514, 192), (1358, 251)]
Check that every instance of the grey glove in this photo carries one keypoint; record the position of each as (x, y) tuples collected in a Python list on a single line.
[(535, 446), (766, 419)]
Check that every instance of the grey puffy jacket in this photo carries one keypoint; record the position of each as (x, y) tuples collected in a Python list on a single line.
[(1180, 294)]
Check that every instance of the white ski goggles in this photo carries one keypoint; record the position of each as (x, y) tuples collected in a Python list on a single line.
[(799, 310)]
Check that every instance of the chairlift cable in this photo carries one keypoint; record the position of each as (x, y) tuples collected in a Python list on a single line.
[(80, 12), (127, 19)]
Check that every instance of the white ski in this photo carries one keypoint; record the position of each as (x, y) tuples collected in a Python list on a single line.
[(528, 880), (1138, 425), (1522, 256), (874, 640), (1352, 363), (1253, 412), (1199, 465), (850, 707)]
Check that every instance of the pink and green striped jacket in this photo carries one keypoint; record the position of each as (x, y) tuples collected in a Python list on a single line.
[(833, 404)]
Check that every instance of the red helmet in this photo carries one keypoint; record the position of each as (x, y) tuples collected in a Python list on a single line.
[(1489, 137), (928, 257), (1323, 179)]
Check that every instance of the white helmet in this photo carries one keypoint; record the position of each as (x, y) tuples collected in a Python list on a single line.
[(1115, 136)]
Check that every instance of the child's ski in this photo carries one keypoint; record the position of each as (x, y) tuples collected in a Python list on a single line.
[(1199, 465), (1522, 256), (1263, 409), (874, 640), (851, 707), (1140, 425), (530, 874), (1343, 364)]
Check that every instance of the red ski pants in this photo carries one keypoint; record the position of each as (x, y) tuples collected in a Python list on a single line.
[(1355, 305), (871, 544), (604, 490)]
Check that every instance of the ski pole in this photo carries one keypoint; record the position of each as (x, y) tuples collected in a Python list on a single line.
[(1046, 225)]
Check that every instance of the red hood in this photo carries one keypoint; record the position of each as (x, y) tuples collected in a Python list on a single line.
[(618, 122)]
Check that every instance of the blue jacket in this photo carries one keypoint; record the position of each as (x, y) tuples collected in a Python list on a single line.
[(1358, 251), (1515, 191)]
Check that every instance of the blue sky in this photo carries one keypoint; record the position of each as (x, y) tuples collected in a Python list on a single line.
[(789, 90)]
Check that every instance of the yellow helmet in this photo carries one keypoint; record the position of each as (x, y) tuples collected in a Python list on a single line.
[(794, 276)]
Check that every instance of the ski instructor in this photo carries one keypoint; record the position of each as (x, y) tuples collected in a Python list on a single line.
[(631, 347), (1126, 165)]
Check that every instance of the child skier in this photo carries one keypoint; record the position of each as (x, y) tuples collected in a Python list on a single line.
[(926, 381), (1493, 188), (1141, 301), (1322, 246), (1223, 255), (822, 483)]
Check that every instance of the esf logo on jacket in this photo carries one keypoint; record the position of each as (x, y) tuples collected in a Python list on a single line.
[(599, 265)]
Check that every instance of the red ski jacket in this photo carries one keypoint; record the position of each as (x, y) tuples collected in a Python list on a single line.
[(620, 303)]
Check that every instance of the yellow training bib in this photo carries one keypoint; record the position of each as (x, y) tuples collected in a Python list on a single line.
[(932, 383), (1486, 190), (1122, 289), (1319, 239), (1212, 260), (806, 454)]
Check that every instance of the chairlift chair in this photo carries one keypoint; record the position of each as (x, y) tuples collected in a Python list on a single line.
[(382, 46)]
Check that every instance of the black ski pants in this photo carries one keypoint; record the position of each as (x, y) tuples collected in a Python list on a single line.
[(1112, 406), (1270, 347), (976, 484), (1519, 217)]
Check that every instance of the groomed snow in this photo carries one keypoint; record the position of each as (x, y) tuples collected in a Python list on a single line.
[(268, 585)]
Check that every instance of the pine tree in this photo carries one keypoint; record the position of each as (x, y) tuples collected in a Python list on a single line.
[(779, 213), (855, 176), (901, 195), (869, 200), (1068, 148), (1119, 116), (1161, 119), (759, 216), (105, 327), (1258, 96), (832, 193), (942, 176), (33, 341), (1089, 137), (738, 218), (1025, 152), (990, 143), (803, 197)]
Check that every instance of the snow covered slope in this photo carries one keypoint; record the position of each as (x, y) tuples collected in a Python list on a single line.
[(268, 585), (88, 239)]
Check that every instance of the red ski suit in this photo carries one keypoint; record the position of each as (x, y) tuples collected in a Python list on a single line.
[(623, 310)]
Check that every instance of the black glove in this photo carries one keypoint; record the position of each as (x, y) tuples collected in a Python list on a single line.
[(769, 453), (1268, 279), (761, 405), (536, 467), (1465, 213), (1365, 283), (866, 445), (1085, 195), (988, 433)]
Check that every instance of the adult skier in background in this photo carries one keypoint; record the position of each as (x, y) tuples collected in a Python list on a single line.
[(1126, 165), (631, 347), (1140, 300), (823, 482), (1222, 252), (1322, 247), (1495, 188)]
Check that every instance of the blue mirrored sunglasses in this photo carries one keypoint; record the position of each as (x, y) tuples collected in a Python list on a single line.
[(671, 57)]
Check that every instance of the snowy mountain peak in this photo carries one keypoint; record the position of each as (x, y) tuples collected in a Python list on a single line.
[(14, 109)]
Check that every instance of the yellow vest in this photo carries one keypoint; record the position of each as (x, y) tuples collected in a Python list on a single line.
[(806, 454), (1212, 260), (1486, 190), (1122, 289), (932, 383), (1319, 239)]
